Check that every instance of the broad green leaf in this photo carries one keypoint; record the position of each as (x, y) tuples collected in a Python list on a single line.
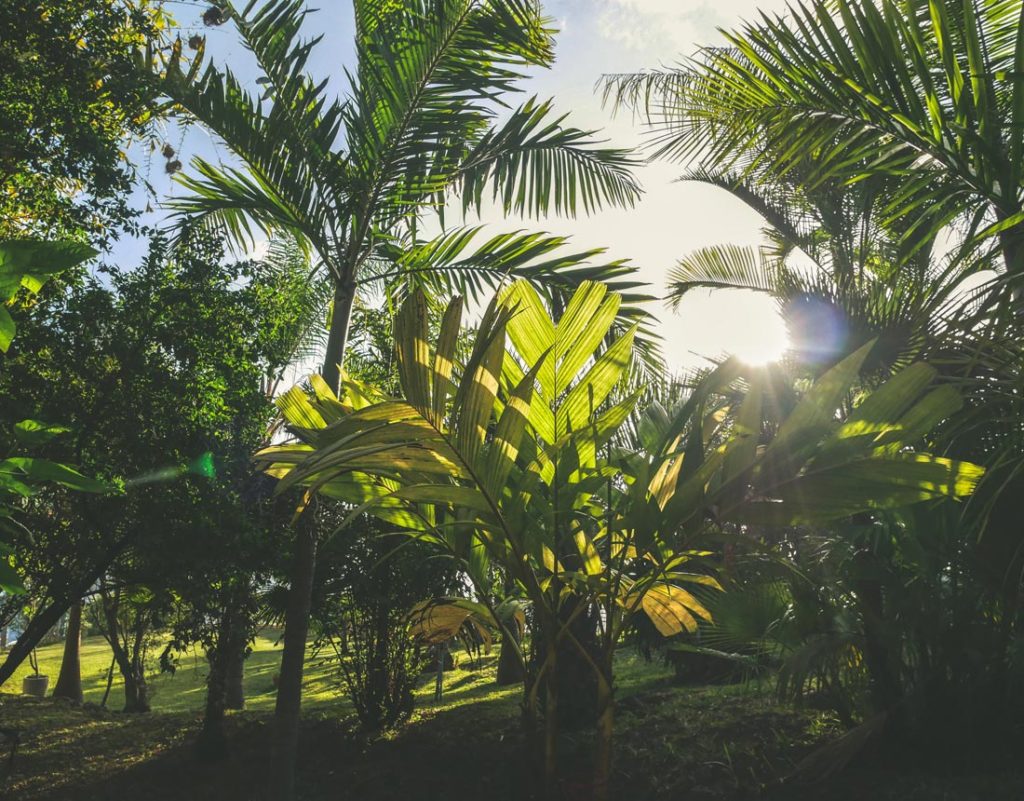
[(7, 329), (587, 395), (45, 470), (815, 414), (592, 564), (34, 432), (745, 433), (504, 446), (580, 332), (444, 359), (413, 349), (532, 333), (298, 411), (672, 609)]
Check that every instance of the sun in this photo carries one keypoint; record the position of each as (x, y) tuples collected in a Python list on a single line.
[(715, 324), (764, 343)]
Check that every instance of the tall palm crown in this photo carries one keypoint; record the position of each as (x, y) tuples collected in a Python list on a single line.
[(925, 91), (859, 131), (421, 125)]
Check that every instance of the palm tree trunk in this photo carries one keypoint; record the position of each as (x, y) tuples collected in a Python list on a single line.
[(1011, 242), (551, 727), (69, 682), (288, 708), (337, 336), (510, 666)]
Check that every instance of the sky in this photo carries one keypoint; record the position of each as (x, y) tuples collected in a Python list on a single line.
[(596, 37)]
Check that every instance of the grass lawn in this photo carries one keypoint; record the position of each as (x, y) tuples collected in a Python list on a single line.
[(185, 689), (716, 743)]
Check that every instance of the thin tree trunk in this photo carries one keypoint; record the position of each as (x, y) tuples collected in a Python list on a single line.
[(136, 695), (110, 682), (69, 682), (235, 690), (288, 708), (30, 638), (337, 337)]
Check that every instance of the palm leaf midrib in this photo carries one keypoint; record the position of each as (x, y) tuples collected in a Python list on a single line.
[(388, 159)]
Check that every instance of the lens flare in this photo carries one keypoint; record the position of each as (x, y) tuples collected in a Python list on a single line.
[(203, 465)]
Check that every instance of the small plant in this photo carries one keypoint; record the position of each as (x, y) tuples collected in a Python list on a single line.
[(33, 660)]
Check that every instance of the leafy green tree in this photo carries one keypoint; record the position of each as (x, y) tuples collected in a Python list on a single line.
[(160, 375), (420, 126), (74, 93)]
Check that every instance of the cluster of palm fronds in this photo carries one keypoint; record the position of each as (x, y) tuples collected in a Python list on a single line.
[(882, 144)]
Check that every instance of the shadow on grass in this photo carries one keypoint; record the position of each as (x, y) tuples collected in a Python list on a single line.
[(93, 756)]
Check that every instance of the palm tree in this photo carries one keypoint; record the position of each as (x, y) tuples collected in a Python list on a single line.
[(351, 179), (929, 93), (838, 272), (504, 461)]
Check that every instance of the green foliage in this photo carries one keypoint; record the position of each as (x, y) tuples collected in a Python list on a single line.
[(74, 92), (923, 93), (420, 125), (159, 374), (504, 462), (25, 266)]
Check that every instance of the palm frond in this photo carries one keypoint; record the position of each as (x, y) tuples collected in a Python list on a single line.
[(282, 182), (724, 267), (534, 166)]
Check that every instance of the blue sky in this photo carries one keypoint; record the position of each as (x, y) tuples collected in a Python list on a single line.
[(595, 37)]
